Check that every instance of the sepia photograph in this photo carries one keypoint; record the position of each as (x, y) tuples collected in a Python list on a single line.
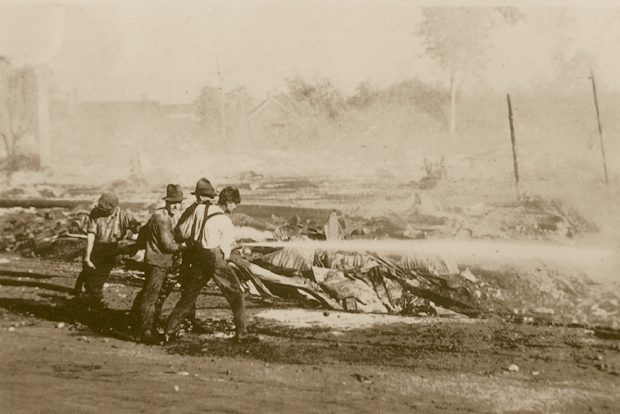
[(278, 206)]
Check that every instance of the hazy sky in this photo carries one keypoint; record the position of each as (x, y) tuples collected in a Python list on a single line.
[(168, 50)]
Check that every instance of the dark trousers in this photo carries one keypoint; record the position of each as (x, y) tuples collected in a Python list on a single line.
[(178, 273), (145, 302), (103, 257), (207, 264), (184, 275)]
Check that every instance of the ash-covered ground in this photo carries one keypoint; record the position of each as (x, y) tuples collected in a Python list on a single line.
[(549, 344)]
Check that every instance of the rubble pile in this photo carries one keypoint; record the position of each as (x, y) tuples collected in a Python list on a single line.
[(34, 232), (43, 191), (368, 282), (54, 233), (529, 218), (526, 219), (414, 281), (29, 231)]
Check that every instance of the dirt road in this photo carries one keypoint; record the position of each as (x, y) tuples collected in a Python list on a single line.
[(56, 360)]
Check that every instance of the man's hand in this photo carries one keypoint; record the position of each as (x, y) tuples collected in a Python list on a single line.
[(221, 252), (134, 225), (88, 263)]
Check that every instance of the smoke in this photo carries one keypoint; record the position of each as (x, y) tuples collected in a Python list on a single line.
[(31, 35)]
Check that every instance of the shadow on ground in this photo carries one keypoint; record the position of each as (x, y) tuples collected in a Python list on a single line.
[(485, 347)]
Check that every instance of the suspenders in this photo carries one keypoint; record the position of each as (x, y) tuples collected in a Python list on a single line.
[(207, 217)]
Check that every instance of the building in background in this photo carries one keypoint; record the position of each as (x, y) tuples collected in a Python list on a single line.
[(271, 121)]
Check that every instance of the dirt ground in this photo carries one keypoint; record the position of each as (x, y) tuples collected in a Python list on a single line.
[(55, 359)]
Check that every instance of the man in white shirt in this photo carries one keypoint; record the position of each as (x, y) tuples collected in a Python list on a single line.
[(210, 232)]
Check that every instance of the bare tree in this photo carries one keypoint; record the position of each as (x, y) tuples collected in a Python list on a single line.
[(457, 38), (16, 111)]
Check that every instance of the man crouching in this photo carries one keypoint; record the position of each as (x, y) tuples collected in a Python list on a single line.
[(211, 232), (108, 226)]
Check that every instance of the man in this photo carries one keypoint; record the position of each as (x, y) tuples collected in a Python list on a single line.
[(211, 233), (159, 249), (204, 193), (107, 226), (181, 260)]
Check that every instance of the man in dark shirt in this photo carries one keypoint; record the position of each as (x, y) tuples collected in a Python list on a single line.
[(160, 247)]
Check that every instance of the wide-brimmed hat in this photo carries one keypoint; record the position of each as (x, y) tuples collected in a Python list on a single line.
[(108, 201), (204, 188), (174, 193)]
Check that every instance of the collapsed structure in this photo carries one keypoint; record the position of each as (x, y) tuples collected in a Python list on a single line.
[(363, 281)]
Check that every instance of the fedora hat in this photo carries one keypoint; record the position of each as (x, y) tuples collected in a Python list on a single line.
[(204, 188), (174, 193)]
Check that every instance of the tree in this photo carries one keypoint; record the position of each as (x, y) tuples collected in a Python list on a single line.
[(17, 110), (457, 39), (364, 95), (321, 95), (207, 106), (430, 99)]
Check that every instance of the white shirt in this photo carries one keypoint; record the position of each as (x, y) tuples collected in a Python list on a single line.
[(219, 231)]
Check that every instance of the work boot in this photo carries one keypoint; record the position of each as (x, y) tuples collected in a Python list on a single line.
[(201, 328), (244, 337), (80, 300), (95, 304), (169, 338), (150, 338)]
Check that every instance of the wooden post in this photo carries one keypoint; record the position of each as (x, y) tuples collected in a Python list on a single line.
[(223, 113), (222, 103), (512, 140), (453, 81), (600, 129)]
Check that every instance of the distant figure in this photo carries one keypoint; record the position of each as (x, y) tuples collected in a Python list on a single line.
[(159, 249), (108, 225), (210, 231), (333, 229)]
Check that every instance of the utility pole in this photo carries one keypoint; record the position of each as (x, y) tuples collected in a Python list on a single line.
[(600, 129), (453, 84), (222, 103), (515, 164), (244, 117)]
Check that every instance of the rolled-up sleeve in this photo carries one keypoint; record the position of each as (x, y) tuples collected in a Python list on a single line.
[(163, 230), (227, 231), (92, 225)]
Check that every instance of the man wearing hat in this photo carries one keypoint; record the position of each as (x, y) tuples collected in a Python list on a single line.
[(210, 232), (204, 194), (108, 224), (160, 247)]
